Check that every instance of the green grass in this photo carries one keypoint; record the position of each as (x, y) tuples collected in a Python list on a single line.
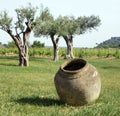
[(30, 91)]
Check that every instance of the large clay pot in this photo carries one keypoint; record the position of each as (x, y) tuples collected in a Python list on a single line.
[(77, 82)]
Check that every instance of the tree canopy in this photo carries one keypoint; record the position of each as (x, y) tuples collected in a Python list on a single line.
[(5, 21), (44, 23)]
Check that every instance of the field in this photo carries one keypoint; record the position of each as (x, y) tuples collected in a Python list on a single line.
[(78, 52), (30, 91)]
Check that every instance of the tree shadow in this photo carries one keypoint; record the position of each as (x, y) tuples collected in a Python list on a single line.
[(39, 101), (111, 67), (9, 57), (5, 64)]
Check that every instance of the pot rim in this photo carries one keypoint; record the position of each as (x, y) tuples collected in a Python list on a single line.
[(72, 60)]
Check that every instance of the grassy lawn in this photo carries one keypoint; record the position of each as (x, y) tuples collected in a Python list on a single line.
[(30, 91)]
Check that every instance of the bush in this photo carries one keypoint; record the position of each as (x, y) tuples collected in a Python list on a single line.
[(38, 44)]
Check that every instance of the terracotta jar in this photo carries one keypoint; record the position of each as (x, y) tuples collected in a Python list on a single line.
[(77, 82)]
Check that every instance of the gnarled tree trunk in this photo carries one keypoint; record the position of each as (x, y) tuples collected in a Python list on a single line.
[(25, 47), (55, 47), (22, 47), (26, 35), (69, 43)]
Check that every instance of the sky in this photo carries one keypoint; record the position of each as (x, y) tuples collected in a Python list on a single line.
[(107, 10)]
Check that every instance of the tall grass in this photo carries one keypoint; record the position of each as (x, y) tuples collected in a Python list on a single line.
[(31, 92)]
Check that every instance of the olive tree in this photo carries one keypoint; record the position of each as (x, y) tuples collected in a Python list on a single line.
[(66, 27), (46, 25), (20, 30), (71, 27)]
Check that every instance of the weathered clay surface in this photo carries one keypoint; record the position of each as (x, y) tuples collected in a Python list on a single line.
[(77, 82)]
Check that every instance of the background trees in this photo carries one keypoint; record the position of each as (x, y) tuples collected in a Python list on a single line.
[(37, 44), (66, 27), (11, 44)]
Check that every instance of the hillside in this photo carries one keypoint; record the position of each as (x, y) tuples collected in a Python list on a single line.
[(113, 42)]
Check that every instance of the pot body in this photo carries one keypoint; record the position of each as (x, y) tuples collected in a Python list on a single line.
[(77, 82)]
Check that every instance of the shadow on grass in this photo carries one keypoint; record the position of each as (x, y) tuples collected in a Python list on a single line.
[(111, 67), (5, 64), (9, 57), (39, 101)]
